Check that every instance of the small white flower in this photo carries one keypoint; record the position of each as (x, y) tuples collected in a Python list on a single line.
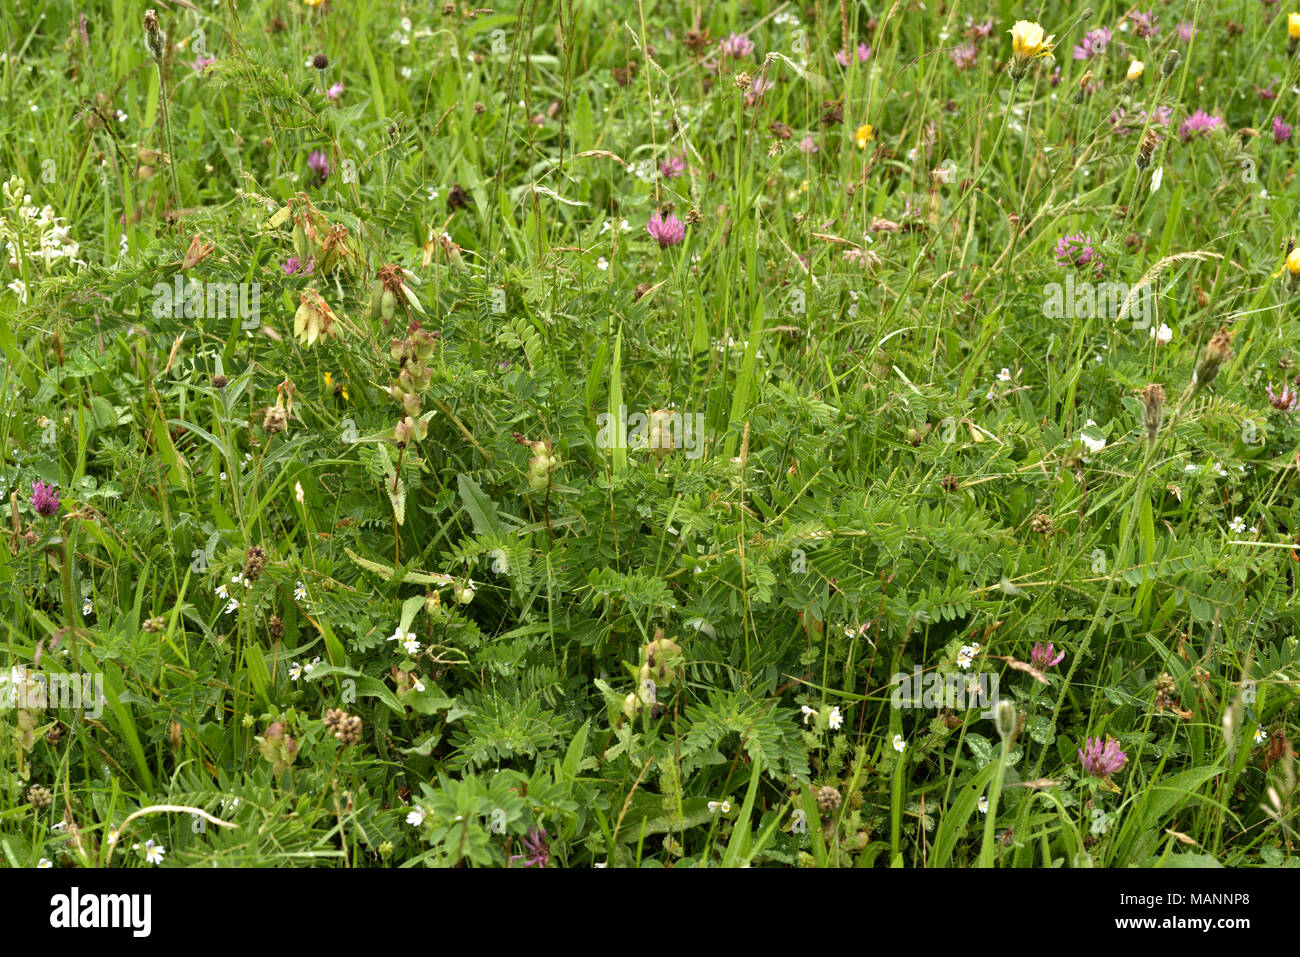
[(836, 720), (153, 853), (306, 669), (87, 606), (965, 655), (406, 72), (602, 263), (61, 826), (1156, 178), (417, 684), (410, 645), (716, 806), (44, 862), (121, 116), (416, 817), (401, 637), (1190, 469), (1219, 470), (807, 713), (1237, 525), (232, 606), (899, 743), (300, 592), (239, 579), (112, 836), (601, 864), (983, 804), (20, 289), (295, 671), (1259, 735), (223, 476), (223, 591), (1093, 445), (298, 493), (1162, 335), (1004, 375)]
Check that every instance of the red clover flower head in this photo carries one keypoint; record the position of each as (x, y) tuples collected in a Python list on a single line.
[(1102, 759), (45, 499), (666, 230)]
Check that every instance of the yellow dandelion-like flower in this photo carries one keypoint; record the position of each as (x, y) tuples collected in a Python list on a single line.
[(313, 3), (863, 135), (1293, 261), (1028, 43), (1135, 70), (1293, 25)]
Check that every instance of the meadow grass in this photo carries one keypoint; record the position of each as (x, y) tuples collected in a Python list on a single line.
[(624, 433)]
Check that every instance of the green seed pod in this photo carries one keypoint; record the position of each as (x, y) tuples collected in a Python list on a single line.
[(376, 298), (388, 305)]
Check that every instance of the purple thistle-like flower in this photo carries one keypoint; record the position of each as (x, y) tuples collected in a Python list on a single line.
[(1102, 759), (536, 852), (319, 164), (864, 54), (1284, 401), (737, 45), (1044, 658), (1281, 131), (672, 167), (45, 499), (1199, 122), (1094, 42), (666, 230)]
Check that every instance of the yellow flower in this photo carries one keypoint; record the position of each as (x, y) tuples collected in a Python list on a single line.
[(1293, 25), (1135, 70), (863, 135), (1028, 41), (1293, 261), (312, 3)]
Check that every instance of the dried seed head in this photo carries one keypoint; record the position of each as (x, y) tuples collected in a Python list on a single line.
[(254, 563), (1217, 352), (320, 61), (275, 420), (40, 797), (1150, 140), (828, 799), (1041, 524), (275, 627)]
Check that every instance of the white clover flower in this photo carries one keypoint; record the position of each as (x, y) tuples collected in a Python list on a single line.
[(899, 743), (983, 804), (416, 816), (836, 720)]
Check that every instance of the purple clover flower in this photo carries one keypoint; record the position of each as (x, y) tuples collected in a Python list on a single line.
[(672, 167), (808, 144), (1186, 30), (1144, 24), (1281, 130), (1043, 658), (1102, 759), (335, 91), (319, 164), (293, 266), (737, 45), (964, 56), (1094, 43), (666, 230), (1199, 122), (1077, 251), (202, 63), (45, 499), (864, 54)]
